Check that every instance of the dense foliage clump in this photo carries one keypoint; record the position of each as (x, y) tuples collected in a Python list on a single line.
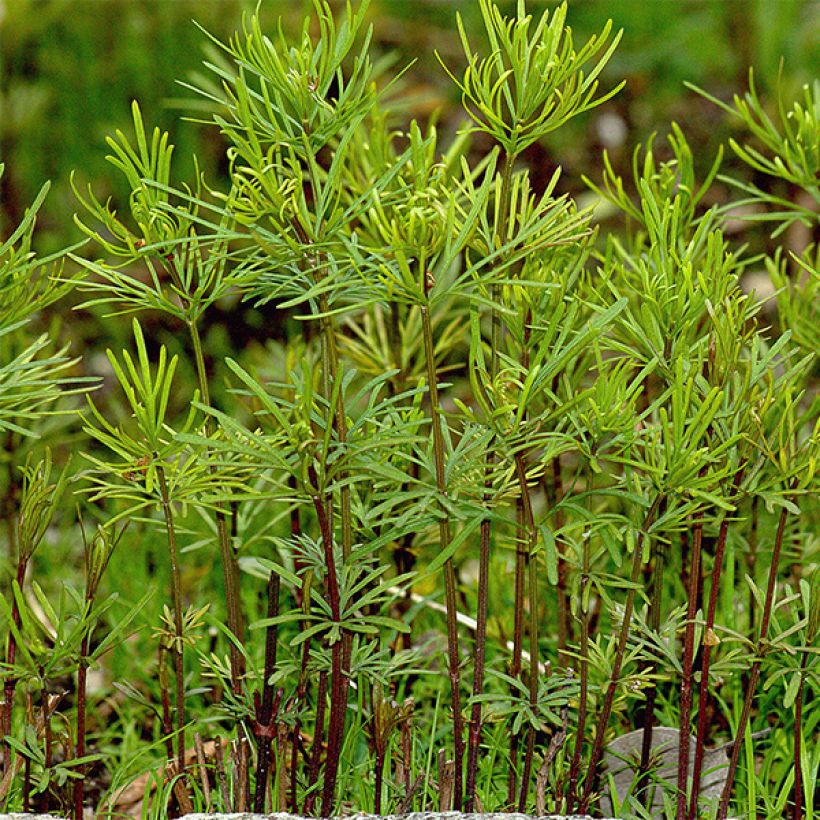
[(499, 488)]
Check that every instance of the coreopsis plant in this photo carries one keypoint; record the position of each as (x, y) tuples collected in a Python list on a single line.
[(500, 489)]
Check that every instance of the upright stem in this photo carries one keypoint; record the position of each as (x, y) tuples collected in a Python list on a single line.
[(606, 712), (503, 225), (176, 590), (688, 661), (230, 567), (8, 511), (378, 773), (555, 494), (474, 737), (8, 504), (330, 368), (486, 527), (42, 802), (797, 812), (82, 670), (725, 796), (752, 556), (338, 690), (518, 634), (396, 384), (167, 725), (649, 709), (10, 683), (316, 748), (341, 651), (708, 643), (265, 728), (575, 765), (532, 535), (449, 569)]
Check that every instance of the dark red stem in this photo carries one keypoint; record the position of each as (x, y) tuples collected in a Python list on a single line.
[(723, 808), (609, 699), (703, 698)]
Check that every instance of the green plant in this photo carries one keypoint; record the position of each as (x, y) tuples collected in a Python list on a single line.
[(474, 393)]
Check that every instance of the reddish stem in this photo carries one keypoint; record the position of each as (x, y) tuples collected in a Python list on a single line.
[(723, 808), (82, 670), (688, 662), (703, 699), (338, 681), (609, 699)]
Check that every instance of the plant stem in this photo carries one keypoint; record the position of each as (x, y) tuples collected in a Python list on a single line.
[(449, 570), (474, 737), (27, 785), (396, 383), (265, 728), (708, 643), (797, 812), (165, 700), (230, 567), (316, 748), (518, 636), (340, 653), (532, 535), (752, 556), (176, 591), (330, 367), (82, 669), (723, 807), (503, 226), (486, 528), (378, 774), (688, 662), (10, 684), (555, 493), (649, 708), (583, 672), (43, 801), (338, 690), (9, 497), (606, 712)]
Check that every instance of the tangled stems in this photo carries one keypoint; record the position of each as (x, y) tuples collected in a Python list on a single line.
[(609, 700), (449, 570), (723, 808)]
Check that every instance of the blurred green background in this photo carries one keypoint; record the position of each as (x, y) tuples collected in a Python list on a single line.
[(69, 69)]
